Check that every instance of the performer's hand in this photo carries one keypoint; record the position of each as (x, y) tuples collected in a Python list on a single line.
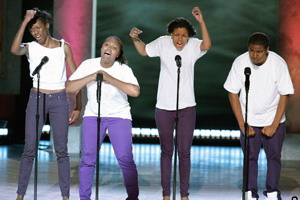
[(134, 33), (269, 131), (197, 14), (106, 76), (251, 131), (29, 15), (74, 117)]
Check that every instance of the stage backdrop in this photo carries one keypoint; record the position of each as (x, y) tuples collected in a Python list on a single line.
[(289, 48), (229, 24), (1, 36)]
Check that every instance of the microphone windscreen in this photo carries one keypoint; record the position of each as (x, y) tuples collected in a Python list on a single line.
[(45, 59), (178, 58), (99, 77), (247, 71)]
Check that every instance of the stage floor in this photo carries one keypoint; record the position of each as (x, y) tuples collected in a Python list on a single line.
[(216, 173)]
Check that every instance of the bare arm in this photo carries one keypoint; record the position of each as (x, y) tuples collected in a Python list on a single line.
[(72, 66), (75, 85), (206, 43), (270, 130), (138, 43), (237, 110), (69, 57), (16, 47), (130, 89), (74, 116)]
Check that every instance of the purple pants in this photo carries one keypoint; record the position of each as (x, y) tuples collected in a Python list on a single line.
[(57, 106), (272, 147), (165, 122), (120, 135)]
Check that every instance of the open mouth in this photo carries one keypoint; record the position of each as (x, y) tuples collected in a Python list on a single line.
[(106, 53), (38, 37), (179, 45)]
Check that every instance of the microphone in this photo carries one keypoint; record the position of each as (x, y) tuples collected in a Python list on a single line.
[(178, 60), (99, 79), (44, 60), (247, 73)]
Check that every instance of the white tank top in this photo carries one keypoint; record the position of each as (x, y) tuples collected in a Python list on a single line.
[(53, 73)]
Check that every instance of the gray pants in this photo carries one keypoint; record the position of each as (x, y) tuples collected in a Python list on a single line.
[(272, 147), (57, 106)]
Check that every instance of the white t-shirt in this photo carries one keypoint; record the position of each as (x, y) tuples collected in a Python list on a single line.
[(113, 101), (53, 73), (267, 83), (164, 48)]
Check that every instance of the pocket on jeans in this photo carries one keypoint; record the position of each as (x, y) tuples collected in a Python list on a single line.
[(62, 99)]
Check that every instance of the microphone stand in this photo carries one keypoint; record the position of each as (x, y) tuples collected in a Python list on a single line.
[(176, 130), (98, 135), (246, 145), (37, 118)]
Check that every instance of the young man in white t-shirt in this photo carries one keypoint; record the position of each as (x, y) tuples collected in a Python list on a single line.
[(270, 86)]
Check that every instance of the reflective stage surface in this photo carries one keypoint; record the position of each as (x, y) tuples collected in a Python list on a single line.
[(216, 174)]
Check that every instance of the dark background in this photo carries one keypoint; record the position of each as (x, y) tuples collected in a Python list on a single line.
[(229, 24)]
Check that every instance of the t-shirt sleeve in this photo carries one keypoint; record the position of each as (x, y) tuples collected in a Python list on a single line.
[(29, 45), (153, 48), (284, 82), (81, 71), (196, 45), (234, 81), (129, 77)]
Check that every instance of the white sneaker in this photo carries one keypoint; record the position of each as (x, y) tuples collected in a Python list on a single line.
[(248, 196), (272, 196)]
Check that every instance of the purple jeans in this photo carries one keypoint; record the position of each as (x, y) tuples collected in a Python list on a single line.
[(57, 106), (165, 122), (272, 147), (120, 135)]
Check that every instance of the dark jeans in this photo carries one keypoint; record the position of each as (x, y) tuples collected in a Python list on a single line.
[(272, 147), (57, 106), (165, 122)]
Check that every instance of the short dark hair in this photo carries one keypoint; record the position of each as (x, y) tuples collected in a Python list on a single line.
[(41, 15), (181, 22), (259, 38)]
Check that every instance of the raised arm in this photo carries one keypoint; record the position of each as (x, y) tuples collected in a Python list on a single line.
[(138, 43), (17, 48), (206, 44)]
